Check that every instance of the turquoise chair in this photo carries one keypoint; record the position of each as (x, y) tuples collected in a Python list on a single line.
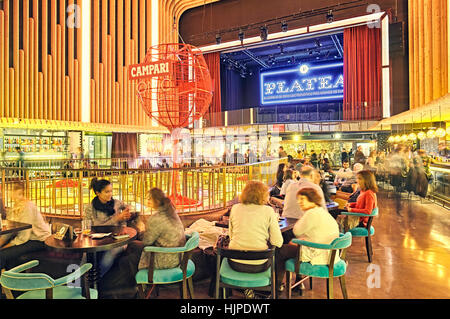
[(226, 277), (330, 271), (182, 273), (42, 286), (366, 232)]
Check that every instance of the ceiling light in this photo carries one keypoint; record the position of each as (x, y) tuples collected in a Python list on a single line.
[(421, 135), (218, 39), (330, 16), (263, 33), (431, 133), (284, 26), (440, 132), (241, 36)]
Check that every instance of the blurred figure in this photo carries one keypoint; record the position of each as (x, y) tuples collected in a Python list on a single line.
[(276, 187), (288, 179), (398, 169), (281, 152), (349, 185), (370, 162), (344, 156), (314, 159), (359, 156)]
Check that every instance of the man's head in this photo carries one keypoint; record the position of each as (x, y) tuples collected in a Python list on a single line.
[(359, 148), (281, 148), (358, 167), (345, 164), (18, 149), (307, 172), (343, 150)]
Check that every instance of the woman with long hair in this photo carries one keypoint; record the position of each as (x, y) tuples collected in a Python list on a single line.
[(365, 203), (104, 210), (164, 229), (276, 188), (15, 245)]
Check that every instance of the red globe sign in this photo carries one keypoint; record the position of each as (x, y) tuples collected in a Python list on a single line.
[(175, 89), (175, 86)]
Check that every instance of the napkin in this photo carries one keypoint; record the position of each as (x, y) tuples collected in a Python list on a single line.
[(100, 235)]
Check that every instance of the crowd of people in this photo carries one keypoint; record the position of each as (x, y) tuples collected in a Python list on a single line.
[(300, 191)]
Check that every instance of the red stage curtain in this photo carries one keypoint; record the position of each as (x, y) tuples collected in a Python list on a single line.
[(213, 115), (124, 145), (362, 73)]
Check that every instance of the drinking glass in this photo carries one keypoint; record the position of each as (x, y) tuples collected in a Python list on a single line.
[(86, 226)]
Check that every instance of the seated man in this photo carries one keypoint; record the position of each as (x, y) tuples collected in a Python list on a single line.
[(291, 208), (349, 185), (343, 174)]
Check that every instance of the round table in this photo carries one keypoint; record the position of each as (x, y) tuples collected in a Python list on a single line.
[(91, 247)]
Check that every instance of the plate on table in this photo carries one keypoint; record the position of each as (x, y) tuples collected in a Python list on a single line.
[(100, 235)]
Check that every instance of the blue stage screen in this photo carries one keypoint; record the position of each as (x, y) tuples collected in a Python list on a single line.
[(304, 83)]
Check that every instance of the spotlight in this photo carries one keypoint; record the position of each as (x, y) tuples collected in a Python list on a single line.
[(241, 36), (263, 34), (318, 44), (284, 26), (218, 39), (330, 16)]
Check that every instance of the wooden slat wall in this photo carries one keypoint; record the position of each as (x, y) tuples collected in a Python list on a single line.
[(428, 51), (43, 81), (31, 87)]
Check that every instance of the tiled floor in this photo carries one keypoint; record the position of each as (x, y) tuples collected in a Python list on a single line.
[(411, 258)]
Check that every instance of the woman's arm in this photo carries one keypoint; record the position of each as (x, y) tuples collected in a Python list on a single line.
[(275, 236), (368, 205), (152, 231)]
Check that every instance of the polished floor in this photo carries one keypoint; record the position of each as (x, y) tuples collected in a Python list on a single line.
[(411, 257)]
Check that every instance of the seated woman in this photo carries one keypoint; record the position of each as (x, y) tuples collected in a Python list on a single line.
[(252, 226), (25, 241), (164, 229), (365, 203), (276, 188), (289, 178), (106, 211), (316, 225)]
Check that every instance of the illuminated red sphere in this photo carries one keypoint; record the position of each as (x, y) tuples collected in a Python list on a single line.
[(184, 94)]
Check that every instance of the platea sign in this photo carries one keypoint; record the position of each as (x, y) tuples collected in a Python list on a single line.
[(304, 83)]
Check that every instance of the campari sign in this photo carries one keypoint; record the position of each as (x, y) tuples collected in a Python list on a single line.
[(304, 83)]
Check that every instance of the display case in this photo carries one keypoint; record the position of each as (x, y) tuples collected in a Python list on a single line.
[(36, 145)]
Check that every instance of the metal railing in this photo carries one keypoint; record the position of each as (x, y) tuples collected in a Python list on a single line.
[(65, 192)]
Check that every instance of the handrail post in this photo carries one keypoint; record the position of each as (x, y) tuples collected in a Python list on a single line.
[(224, 186), (80, 193)]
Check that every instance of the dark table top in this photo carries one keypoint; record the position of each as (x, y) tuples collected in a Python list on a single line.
[(9, 226), (284, 223), (85, 243)]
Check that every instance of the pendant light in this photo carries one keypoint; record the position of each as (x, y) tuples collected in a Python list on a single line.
[(440, 132)]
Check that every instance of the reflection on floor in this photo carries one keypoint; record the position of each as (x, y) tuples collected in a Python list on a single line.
[(411, 258)]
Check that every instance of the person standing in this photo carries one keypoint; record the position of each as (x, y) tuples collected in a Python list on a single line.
[(359, 156), (282, 153), (314, 159), (344, 156)]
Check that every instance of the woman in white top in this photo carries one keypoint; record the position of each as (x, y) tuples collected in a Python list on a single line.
[(289, 178), (15, 245), (252, 225), (316, 225)]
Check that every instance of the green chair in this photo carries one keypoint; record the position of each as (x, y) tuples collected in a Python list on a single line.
[(226, 277), (182, 273), (330, 271), (42, 286), (366, 232)]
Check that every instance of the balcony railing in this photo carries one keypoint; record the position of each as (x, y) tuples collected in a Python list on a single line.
[(65, 192)]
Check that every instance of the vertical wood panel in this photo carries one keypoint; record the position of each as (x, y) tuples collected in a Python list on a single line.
[(120, 48), (11, 93), (26, 48), (428, 63), (41, 93), (44, 53), (96, 57), (76, 90), (112, 65), (3, 105), (49, 87), (109, 79), (16, 56), (100, 83), (6, 58), (31, 67), (21, 109), (59, 104), (37, 109), (54, 60), (436, 52), (70, 62), (62, 48)]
